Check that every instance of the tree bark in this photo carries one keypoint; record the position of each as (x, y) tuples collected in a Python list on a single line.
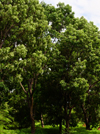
[(88, 123), (66, 113), (87, 126), (31, 105), (42, 122), (32, 117), (67, 118), (67, 123), (68, 109), (86, 118), (30, 100)]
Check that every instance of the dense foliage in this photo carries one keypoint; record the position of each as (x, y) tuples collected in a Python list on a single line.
[(49, 66)]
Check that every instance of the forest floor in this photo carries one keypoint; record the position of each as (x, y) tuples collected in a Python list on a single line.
[(80, 129)]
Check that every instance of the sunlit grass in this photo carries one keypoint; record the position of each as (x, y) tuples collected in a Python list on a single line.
[(82, 130), (48, 129)]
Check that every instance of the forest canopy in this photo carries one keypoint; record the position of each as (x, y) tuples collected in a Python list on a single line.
[(49, 66)]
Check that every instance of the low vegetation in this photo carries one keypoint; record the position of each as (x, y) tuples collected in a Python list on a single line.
[(48, 129)]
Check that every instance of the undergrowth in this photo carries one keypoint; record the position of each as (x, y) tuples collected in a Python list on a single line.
[(48, 129)]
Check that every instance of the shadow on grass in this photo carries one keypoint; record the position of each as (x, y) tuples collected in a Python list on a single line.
[(24, 131), (47, 131)]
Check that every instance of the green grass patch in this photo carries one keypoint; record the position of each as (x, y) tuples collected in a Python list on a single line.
[(82, 130), (48, 129)]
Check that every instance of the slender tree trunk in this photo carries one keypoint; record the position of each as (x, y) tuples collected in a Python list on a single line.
[(87, 126), (67, 118), (32, 117), (86, 118), (31, 105), (67, 123), (42, 122), (30, 100), (88, 123), (68, 115)]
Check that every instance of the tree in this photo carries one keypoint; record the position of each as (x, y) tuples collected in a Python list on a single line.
[(51, 98), (58, 18), (78, 62), (23, 45), (79, 46), (90, 107)]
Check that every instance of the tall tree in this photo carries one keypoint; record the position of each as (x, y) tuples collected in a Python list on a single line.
[(58, 18), (79, 45), (23, 45), (77, 66)]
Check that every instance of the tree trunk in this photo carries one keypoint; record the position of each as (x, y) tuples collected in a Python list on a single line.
[(67, 116), (87, 121), (66, 113), (67, 123), (30, 100), (87, 126), (32, 117), (42, 122)]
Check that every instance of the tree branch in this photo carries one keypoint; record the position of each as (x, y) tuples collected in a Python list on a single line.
[(23, 88), (92, 85)]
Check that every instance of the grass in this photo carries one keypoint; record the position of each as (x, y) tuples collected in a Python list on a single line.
[(82, 130), (50, 130)]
